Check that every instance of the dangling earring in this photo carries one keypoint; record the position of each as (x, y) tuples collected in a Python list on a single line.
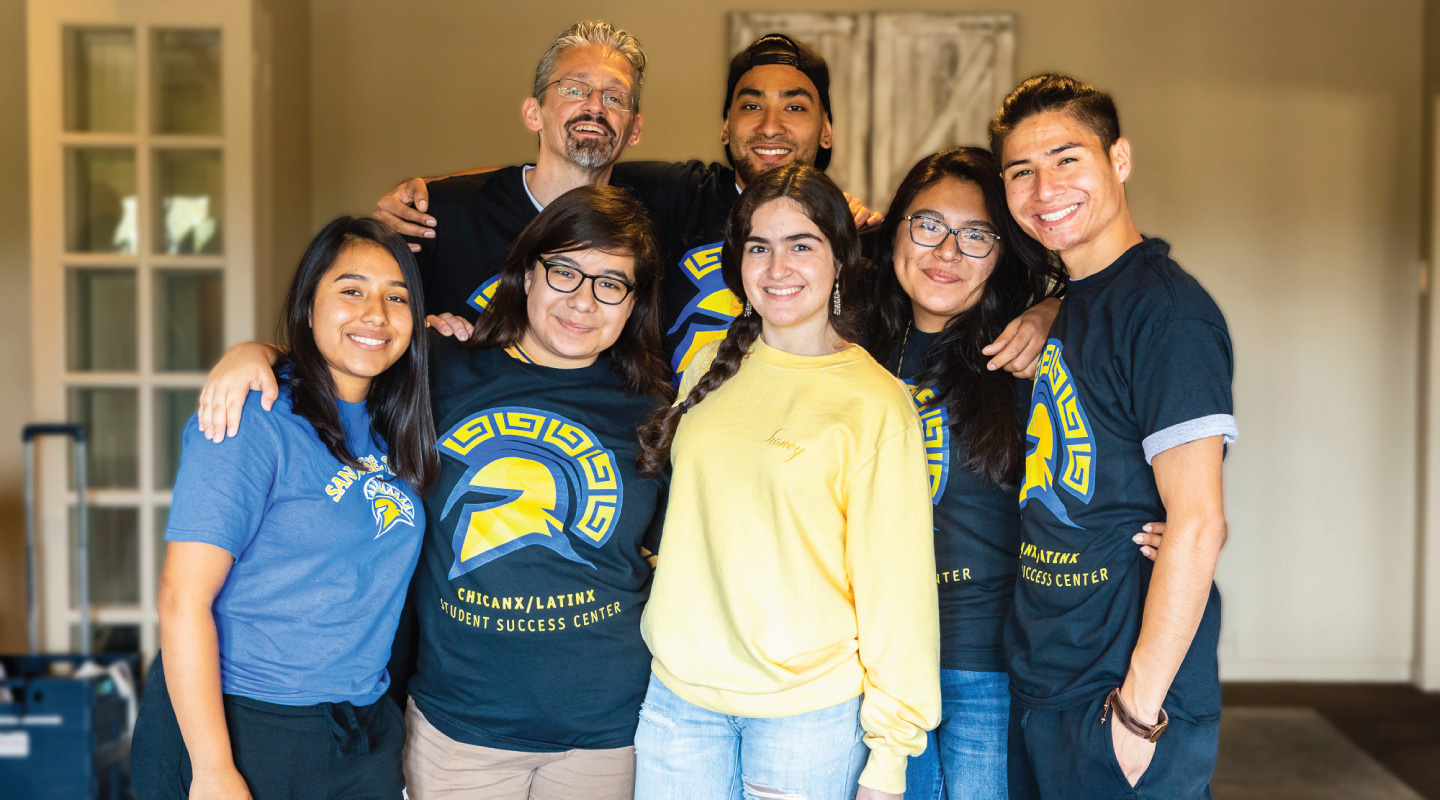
[(748, 309), (835, 299)]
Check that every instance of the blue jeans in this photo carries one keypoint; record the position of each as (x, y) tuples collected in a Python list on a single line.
[(964, 758), (685, 752)]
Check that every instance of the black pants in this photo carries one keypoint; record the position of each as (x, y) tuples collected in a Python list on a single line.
[(329, 750), (1066, 754)]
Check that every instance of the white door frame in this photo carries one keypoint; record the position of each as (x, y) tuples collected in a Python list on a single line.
[(1427, 589), (47, 21)]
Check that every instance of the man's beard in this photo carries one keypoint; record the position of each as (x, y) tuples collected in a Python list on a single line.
[(587, 152), (749, 167)]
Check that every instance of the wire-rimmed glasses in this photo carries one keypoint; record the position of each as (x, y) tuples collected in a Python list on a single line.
[(931, 232), (571, 90)]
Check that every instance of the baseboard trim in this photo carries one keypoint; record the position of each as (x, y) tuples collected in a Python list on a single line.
[(1317, 671)]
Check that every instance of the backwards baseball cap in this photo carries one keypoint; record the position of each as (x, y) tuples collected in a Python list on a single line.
[(777, 48)]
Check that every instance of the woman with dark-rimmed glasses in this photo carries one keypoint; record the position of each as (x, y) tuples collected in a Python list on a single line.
[(529, 664)]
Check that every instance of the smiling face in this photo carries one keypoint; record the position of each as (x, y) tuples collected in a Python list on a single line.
[(570, 330), (775, 118), (1063, 188), (586, 132), (361, 317), (788, 271), (941, 281)]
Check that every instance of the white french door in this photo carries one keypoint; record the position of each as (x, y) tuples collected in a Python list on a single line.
[(142, 239)]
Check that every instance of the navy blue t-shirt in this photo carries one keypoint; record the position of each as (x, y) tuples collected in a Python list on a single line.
[(532, 581), (1138, 361), (477, 218), (323, 553), (977, 529), (690, 202)]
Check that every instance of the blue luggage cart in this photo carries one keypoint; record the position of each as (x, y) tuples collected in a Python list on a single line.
[(65, 720)]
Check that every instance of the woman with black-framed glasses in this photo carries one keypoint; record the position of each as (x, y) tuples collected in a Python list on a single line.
[(529, 667)]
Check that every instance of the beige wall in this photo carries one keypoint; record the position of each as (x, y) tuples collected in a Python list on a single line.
[(282, 122), (15, 347), (1276, 147)]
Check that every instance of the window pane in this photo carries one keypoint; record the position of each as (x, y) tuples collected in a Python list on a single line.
[(111, 418), (114, 557), (123, 638), (189, 319), (190, 201), (100, 205), (100, 80), (173, 408), (100, 319), (187, 81)]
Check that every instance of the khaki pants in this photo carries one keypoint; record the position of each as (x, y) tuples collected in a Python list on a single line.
[(440, 768)]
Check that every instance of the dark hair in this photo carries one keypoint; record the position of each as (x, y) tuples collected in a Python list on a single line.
[(605, 218), (980, 403), (777, 48), (824, 203), (1092, 108), (399, 397)]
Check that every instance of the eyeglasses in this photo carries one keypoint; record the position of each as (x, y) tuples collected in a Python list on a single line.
[(566, 279), (571, 90), (973, 242)]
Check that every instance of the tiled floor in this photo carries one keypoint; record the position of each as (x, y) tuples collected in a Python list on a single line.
[(1397, 726)]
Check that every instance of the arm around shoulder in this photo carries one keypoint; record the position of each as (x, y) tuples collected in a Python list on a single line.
[(246, 367)]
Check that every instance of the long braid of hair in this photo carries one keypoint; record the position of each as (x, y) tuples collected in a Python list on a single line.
[(658, 433)]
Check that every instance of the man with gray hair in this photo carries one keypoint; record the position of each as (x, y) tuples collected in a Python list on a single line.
[(584, 110)]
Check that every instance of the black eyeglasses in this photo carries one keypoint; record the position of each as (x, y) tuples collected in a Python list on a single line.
[(607, 289), (571, 90), (973, 242)]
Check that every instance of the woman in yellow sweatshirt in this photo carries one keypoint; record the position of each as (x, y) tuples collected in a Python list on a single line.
[(793, 619)]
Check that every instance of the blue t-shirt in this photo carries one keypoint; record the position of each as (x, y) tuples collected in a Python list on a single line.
[(1138, 361), (323, 553)]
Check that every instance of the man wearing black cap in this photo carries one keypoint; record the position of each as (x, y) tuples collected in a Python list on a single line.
[(777, 111)]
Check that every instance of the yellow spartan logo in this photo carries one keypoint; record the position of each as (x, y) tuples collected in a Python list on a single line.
[(531, 512)]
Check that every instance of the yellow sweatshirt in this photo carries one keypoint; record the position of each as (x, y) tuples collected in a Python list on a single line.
[(797, 566)]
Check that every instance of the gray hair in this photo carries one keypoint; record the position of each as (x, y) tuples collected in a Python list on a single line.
[(591, 32)]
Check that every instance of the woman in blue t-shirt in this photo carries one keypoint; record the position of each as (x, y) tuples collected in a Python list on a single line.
[(291, 546), (529, 667)]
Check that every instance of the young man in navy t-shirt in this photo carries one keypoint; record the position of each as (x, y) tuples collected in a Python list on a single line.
[(1129, 420)]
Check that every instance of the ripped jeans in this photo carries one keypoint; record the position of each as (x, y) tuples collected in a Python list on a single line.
[(685, 752)]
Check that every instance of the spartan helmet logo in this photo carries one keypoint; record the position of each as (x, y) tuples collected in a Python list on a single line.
[(388, 504), (1061, 445), (708, 316), (532, 479), (935, 423)]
